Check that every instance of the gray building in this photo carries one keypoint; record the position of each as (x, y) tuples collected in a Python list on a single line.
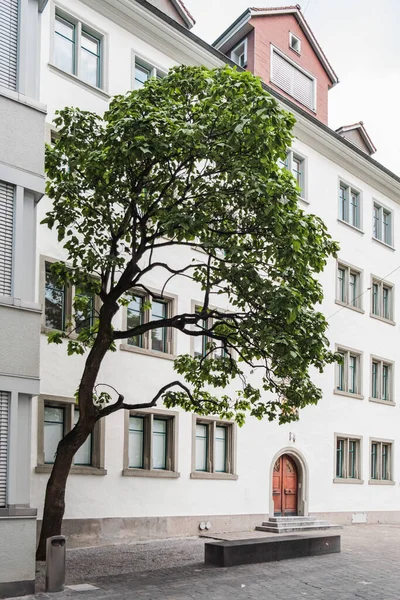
[(22, 119)]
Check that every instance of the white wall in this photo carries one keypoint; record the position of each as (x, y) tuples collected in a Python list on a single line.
[(139, 377)]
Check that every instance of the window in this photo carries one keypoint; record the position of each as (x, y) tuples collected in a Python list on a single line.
[(348, 286), (57, 416), (382, 304), (144, 71), (78, 49), (58, 300), (296, 164), (381, 380), (6, 236), (294, 43), (381, 461), (293, 80), (348, 458), (145, 309), (213, 449), (349, 205), (9, 43), (348, 373), (5, 398), (151, 445), (239, 54), (382, 224), (201, 343)]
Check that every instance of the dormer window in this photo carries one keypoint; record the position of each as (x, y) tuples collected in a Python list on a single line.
[(239, 54), (294, 43)]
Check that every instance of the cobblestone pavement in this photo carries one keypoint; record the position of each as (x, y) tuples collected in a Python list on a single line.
[(366, 569)]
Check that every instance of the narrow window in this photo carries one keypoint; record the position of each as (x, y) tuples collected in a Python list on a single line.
[(55, 299), (142, 74), (385, 461), (85, 318), (352, 374), (84, 455), (353, 289), (354, 209), (386, 302), (201, 447), (341, 368), (220, 449), (64, 45), (54, 419), (159, 336), (387, 227), (352, 459), (375, 368), (374, 461), (90, 59), (136, 442), (239, 54), (385, 382), (343, 203), (376, 222), (339, 457), (134, 319), (298, 173), (341, 292), (159, 443), (375, 299)]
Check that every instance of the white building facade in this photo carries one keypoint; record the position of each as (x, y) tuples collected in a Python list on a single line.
[(162, 473), (22, 183)]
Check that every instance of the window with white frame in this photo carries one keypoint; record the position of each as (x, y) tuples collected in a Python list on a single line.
[(382, 304), (348, 458), (382, 224), (78, 49), (57, 416), (144, 309), (296, 164), (381, 380), (213, 447), (381, 461), (348, 288), (239, 54), (151, 442), (143, 71), (349, 205), (348, 372), (293, 80), (58, 300), (294, 43), (5, 398)]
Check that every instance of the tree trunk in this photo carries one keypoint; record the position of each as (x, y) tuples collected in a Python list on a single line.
[(54, 505)]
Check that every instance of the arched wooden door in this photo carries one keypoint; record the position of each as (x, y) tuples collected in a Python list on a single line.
[(284, 486)]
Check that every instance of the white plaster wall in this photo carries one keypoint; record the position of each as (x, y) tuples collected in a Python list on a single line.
[(139, 377), (17, 556)]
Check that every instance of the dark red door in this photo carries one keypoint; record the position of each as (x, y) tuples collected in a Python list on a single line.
[(284, 486)]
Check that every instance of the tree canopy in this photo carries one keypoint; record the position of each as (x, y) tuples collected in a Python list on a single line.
[(191, 162)]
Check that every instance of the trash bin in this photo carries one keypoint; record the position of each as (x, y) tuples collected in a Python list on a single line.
[(55, 563)]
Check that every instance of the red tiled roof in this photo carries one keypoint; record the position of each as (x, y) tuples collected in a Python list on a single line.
[(297, 6)]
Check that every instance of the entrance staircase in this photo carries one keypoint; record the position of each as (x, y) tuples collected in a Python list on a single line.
[(290, 524)]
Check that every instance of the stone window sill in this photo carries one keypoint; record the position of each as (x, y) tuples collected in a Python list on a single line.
[(75, 470), (147, 352), (12, 302), (351, 226), (345, 305), (385, 402), (388, 321), (83, 84), (383, 243), (18, 511), (348, 394), (348, 480), (206, 475), (381, 482), (150, 473)]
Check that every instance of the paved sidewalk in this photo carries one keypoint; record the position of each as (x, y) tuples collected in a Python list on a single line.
[(366, 569)]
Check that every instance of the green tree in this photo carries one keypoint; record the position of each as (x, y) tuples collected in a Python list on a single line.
[(189, 162)]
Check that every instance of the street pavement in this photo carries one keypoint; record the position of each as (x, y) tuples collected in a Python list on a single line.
[(368, 568)]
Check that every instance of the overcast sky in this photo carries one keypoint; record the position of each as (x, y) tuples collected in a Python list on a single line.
[(361, 39)]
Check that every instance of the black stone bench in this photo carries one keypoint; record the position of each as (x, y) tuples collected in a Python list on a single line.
[(257, 550)]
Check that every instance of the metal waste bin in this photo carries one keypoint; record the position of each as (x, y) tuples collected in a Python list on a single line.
[(55, 563)]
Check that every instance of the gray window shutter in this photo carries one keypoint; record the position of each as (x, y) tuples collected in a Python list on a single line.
[(6, 236), (292, 81), (4, 410), (8, 43)]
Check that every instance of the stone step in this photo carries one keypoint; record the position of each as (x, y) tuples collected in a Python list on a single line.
[(292, 519), (300, 528), (284, 524)]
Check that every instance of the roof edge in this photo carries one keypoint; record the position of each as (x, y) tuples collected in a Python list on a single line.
[(232, 29), (364, 134), (184, 13)]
